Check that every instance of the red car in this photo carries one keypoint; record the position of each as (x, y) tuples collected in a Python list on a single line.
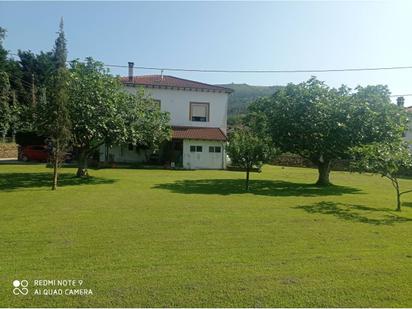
[(34, 153)]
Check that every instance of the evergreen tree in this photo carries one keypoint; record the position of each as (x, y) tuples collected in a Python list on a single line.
[(3, 51), (5, 112), (55, 122)]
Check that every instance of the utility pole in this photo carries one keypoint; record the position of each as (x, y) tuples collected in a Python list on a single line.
[(33, 92)]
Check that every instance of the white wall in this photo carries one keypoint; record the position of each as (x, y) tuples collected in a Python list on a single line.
[(408, 134), (177, 103), (204, 159), (191, 160)]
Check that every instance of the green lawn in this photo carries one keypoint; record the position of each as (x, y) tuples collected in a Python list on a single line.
[(194, 239)]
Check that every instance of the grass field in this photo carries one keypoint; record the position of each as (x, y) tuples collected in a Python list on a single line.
[(194, 239)]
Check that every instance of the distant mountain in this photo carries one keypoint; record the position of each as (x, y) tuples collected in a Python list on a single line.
[(245, 94)]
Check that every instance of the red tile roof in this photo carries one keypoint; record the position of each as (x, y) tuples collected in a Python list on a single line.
[(166, 81), (210, 134)]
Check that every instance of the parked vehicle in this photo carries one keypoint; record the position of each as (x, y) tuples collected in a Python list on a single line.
[(39, 153), (34, 153)]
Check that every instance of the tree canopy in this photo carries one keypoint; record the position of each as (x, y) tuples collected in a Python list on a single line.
[(388, 159), (322, 124), (5, 111), (248, 150), (102, 112)]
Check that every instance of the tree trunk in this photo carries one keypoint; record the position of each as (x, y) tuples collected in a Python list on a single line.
[(398, 196), (106, 153), (55, 162), (247, 178), (82, 165), (324, 171)]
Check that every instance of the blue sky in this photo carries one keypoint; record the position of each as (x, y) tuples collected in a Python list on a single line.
[(228, 35)]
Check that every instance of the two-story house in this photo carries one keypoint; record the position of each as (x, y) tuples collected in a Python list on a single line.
[(198, 115)]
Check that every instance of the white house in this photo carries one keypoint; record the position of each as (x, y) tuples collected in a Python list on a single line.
[(198, 114)]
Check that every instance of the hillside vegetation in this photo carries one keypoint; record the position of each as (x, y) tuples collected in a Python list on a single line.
[(244, 94), (241, 98)]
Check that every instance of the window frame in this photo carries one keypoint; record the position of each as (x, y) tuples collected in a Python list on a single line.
[(196, 148), (212, 149), (199, 103)]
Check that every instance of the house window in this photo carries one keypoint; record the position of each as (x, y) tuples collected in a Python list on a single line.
[(130, 147), (196, 148), (199, 112), (216, 149)]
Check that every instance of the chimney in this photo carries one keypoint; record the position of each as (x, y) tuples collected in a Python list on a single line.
[(131, 66), (400, 101)]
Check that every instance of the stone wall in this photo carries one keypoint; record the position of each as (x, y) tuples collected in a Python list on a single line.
[(297, 161), (337, 165), (8, 150)]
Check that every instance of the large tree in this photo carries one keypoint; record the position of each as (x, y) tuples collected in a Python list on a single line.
[(103, 113), (36, 70), (146, 125), (3, 51), (32, 75), (94, 98), (248, 150), (27, 76), (322, 123), (5, 111)]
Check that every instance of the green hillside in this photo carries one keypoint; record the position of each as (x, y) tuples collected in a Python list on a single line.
[(241, 98), (244, 94)]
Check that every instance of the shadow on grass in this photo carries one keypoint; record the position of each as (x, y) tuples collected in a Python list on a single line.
[(407, 204), (355, 213), (15, 181), (257, 187)]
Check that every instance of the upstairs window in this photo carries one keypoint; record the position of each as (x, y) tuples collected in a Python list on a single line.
[(199, 112), (196, 148)]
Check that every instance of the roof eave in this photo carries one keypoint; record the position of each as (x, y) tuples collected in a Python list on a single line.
[(134, 84)]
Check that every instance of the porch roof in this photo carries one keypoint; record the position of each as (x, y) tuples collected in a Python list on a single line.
[(210, 134)]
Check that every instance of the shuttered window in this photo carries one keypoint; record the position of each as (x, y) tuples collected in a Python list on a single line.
[(199, 112)]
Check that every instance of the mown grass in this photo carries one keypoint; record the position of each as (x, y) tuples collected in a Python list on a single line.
[(195, 239)]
